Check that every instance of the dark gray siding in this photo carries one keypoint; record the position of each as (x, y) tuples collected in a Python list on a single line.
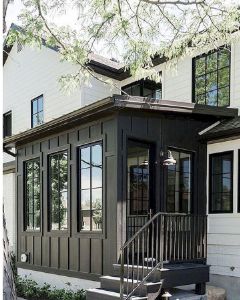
[(71, 253)]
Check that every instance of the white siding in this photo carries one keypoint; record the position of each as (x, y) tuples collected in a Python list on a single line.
[(9, 207), (33, 72), (224, 229), (177, 81)]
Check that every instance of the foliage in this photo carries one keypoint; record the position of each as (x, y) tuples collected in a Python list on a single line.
[(134, 31), (28, 288)]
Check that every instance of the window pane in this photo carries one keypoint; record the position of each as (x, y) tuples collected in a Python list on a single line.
[(40, 118), (85, 157), (224, 58), (97, 155), (200, 66), (91, 187), (85, 178), (223, 77), (97, 220), (58, 197), (179, 185), (221, 183), (97, 198), (212, 62), (136, 90), (34, 107), (200, 99), (200, 85), (40, 104), (212, 98), (96, 177), (85, 224), (223, 97), (32, 195), (211, 81), (85, 199)]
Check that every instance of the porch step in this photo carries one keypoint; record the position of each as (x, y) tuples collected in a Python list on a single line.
[(102, 294), (172, 274)]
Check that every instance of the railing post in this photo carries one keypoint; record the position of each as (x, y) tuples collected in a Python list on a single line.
[(122, 274)]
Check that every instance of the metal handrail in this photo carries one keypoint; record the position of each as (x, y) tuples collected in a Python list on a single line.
[(147, 224), (165, 237)]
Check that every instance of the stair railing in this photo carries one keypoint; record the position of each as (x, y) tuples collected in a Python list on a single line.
[(164, 238)]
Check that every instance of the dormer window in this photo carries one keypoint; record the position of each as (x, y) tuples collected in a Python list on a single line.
[(144, 88), (37, 111), (211, 78)]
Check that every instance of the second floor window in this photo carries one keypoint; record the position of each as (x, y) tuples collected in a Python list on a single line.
[(91, 187), (32, 194), (221, 182), (7, 124), (211, 78), (58, 190), (179, 183), (144, 88), (37, 111)]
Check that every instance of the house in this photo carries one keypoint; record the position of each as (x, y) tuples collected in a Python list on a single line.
[(105, 182)]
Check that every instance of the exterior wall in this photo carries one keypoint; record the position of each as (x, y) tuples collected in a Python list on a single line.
[(71, 253), (32, 72), (9, 207), (223, 229), (177, 81)]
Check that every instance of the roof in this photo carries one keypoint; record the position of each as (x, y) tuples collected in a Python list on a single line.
[(98, 63), (112, 105), (226, 128)]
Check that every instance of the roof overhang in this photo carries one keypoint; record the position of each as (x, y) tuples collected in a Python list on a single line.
[(111, 105)]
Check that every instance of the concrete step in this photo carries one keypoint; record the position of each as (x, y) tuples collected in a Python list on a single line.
[(137, 272), (112, 283), (101, 294)]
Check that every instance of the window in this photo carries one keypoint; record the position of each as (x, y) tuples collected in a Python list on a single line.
[(7, 124), (221, 182), (32, 194), (37, 111), (144, 88), (211, 78), (58, 190), (91, 187), (179, 183)]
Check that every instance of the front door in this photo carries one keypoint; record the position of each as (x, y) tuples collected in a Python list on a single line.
[(139, 185)]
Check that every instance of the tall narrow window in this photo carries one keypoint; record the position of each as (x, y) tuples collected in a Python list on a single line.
[(221, 182), (32, 195), (37, 111), (211, 77), (90, 160), (58, 190), (179, 183), (7, 124)]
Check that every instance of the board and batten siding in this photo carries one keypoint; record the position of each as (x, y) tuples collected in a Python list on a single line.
[(224, 229), (71, 253)]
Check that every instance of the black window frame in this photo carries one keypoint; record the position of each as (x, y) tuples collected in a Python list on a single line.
[(49, 203), (25, 217), (91, 232), (205, 55), (144, 83), (217, 154), (191, 177), (6, 130), (38, 111)]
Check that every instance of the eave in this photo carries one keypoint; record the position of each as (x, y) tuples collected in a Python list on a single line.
[(111, 105)]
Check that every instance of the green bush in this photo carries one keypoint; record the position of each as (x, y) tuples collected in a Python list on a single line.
[(29, 289)]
